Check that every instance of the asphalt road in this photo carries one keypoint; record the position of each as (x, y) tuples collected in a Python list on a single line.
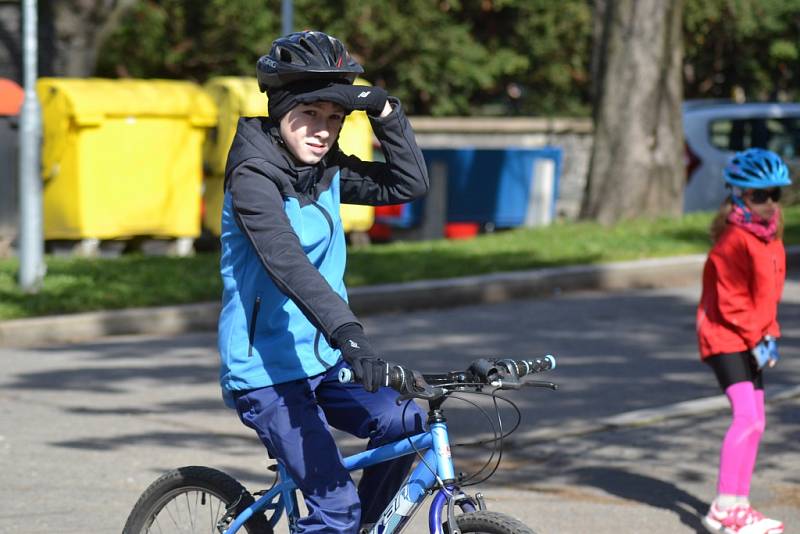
[(85, 428)]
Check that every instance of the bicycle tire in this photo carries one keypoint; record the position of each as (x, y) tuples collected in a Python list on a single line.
[(176, 500), (490, 523)]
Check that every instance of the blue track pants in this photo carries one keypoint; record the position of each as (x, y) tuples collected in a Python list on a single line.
[(293, 420)]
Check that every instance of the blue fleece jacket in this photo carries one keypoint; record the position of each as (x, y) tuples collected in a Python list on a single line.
[(283, 247)]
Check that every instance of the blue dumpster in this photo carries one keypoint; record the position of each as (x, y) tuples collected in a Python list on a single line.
[(500, 188), (495, 186)]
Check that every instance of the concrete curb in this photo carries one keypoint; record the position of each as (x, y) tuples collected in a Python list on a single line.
[(470, 290), (499, 287), (73, 328)]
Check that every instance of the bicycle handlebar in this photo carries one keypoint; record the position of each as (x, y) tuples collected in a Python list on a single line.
[(520, 368), (500, 373), (398, 378)]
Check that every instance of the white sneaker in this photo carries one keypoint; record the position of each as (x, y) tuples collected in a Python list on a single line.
[(740, 520)]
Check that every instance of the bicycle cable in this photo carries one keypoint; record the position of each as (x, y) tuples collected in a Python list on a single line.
[(416, 450), (499, 447), (497, 441), (496, 438), (464, 481)]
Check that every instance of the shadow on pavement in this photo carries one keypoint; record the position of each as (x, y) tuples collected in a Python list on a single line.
[(617, 352), (180, 438), (646, 490)]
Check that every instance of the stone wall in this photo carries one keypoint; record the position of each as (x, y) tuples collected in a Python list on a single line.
[(573, 136)]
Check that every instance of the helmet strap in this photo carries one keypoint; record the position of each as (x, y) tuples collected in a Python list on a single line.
[(737, 199)]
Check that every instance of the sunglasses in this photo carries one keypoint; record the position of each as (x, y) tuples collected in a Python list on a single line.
[(760, 196)]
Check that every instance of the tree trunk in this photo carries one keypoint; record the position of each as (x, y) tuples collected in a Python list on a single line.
[(636, 166), (79, 27)]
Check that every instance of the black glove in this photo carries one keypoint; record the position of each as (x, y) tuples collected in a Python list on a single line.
[(370, 371), (371, 99), (374, 373)]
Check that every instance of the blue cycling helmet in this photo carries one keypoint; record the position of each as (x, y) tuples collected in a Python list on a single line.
[(756, 168)]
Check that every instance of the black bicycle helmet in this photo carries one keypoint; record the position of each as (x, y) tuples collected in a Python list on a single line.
[(307, 55)]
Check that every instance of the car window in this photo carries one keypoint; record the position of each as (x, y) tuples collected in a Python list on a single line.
[(781, 135)]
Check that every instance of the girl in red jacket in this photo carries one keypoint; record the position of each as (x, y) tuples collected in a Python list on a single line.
[(737, 325)]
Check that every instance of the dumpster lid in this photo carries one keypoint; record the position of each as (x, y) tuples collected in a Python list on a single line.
[(242, 93), (11, 97), (92, 99)]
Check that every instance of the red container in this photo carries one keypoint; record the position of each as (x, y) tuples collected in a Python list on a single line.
[(380, 232), (11, 97), (461, 230)]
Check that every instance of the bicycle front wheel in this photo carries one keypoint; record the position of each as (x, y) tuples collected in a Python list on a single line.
[(192, 500), (490, 523)]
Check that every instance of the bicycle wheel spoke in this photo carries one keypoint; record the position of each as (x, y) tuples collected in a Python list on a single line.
[(191, 511), (192, 500), (170, 516), (211, 514)]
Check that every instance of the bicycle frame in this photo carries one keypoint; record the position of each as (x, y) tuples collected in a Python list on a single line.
[(422, 481)]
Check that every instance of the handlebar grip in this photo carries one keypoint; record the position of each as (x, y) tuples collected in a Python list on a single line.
[(539, 365), (396, 378), (521, 368)]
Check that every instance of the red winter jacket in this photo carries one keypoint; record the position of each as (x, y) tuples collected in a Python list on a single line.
[(742, 285)]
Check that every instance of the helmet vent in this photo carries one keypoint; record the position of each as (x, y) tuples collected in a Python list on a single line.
[(285, 55), (305, 44)]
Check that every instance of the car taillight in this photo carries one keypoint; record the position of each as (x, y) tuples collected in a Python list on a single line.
[(690, 160)]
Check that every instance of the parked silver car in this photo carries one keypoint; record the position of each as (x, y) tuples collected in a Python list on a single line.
[(714, 130)]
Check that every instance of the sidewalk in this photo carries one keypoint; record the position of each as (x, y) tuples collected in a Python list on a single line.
[(368, 300)]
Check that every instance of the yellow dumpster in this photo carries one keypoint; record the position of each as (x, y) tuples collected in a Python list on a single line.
[(239, 97), (122, 158)]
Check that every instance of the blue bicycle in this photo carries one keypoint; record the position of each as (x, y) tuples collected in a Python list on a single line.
[(201, 499)]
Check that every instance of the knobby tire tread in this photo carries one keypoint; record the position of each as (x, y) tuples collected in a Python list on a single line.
[(490, 523)]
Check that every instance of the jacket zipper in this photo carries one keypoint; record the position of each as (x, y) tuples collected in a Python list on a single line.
[(256, 307), (329, 220), (777, 274), (324, 214)]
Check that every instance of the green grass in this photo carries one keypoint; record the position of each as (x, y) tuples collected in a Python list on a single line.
[(78, 284), (560, 244)]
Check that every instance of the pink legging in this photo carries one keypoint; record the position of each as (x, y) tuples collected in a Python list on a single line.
[(740, 446)]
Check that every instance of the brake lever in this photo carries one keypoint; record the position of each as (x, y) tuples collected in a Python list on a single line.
[(540, 384), (506, 382), (419, 389)]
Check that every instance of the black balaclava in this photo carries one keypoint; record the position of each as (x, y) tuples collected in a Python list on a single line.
[(282, 99)]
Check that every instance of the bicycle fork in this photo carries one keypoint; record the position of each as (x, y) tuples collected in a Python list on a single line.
[(449, 495), (435, 470)]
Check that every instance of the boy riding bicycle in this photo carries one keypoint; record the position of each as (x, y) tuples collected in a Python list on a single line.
[(285, 324)]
